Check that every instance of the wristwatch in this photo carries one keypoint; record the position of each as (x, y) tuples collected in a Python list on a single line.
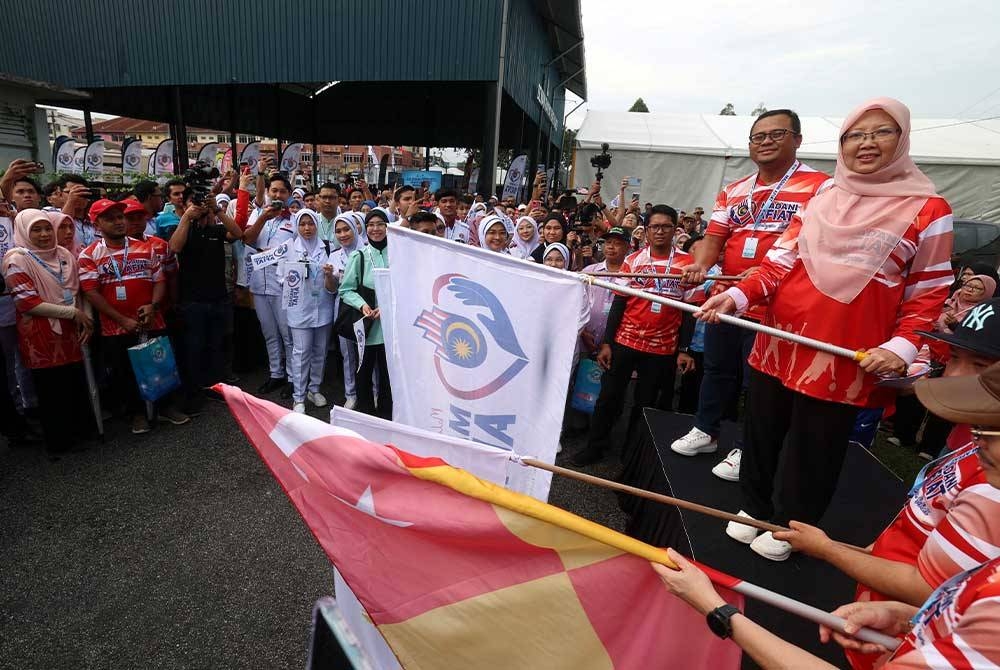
[(719, 620)]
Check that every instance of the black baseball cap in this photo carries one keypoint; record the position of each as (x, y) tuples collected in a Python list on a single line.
[(618, 232), (978, 332)]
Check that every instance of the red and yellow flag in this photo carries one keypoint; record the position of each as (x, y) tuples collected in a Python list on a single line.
[(457, 572)]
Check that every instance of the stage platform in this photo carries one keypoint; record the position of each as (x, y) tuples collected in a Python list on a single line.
[(868, 497)]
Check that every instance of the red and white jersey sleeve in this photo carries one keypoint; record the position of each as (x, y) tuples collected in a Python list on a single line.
[(968, 535), (934, 493), (733, 218), (904, 296), (41, 346), (956, 629)]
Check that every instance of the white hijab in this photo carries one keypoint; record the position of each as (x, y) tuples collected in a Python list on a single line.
[(518, 247), (484, 225)]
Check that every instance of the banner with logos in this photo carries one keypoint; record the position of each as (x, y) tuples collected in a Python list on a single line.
[(416, 178), (163, 158), (251, 156), (62, 154), (209, 153), (132, 156), (482, 361), (270, 257), (79, 159), (515, 175), (291, 157)]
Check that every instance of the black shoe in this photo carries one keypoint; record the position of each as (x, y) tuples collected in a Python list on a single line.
[(286, 392), (587, 456), (271, 385)]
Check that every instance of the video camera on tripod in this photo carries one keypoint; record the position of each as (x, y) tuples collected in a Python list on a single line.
[(199, 178)]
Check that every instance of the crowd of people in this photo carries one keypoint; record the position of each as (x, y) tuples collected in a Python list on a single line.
[(861, 260)]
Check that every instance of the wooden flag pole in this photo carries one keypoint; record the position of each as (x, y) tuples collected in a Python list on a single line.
[(666, 500)]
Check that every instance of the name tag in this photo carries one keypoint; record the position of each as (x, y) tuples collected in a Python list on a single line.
[(750, 247), (120, 294), (655, 307)]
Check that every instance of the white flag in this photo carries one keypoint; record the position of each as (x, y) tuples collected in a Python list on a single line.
[(515, 174), (481, 344)]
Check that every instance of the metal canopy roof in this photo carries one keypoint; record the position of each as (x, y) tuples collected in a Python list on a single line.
[(565, 27)]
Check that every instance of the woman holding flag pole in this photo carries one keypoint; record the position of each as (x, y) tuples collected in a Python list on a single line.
[(865, 266)]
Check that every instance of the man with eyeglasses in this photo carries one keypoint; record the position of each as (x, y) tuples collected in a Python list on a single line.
[(750, 215), (640, 336), (328, 203)]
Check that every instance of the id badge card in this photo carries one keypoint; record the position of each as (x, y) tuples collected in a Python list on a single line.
[(750, 247), (120, 294), (655, 307)]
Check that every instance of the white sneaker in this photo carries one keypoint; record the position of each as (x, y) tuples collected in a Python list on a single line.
[(299, 408), (741, 532), (729, 468), (317, 399), (351, 402), (695, 442), (775, 550)]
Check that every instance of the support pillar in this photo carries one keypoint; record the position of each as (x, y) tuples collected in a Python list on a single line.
[(180, 137)]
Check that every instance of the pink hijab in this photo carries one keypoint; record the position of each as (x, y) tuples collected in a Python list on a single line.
[(849, 230), (57, 259)]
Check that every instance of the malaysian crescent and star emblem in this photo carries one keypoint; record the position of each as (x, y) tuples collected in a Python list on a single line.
[(366, 504)]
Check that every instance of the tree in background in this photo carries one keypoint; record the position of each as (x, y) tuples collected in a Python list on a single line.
[(639, 106), (728, 110), (759, 109)]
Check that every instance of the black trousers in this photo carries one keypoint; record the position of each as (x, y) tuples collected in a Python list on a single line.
[(691, 385), (812, 433), (64, 401), (374, 359), (652, 369)]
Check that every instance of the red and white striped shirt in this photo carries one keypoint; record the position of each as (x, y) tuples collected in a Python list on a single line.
[(956, 629), (733, 219), (904, 296), (124, 277), (967, 536)]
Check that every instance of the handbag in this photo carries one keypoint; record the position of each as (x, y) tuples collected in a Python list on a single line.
[(155, 368), (347, 316)]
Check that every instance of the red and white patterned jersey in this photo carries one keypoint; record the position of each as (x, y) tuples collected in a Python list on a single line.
[(139, 271), (929, 502), (733, 219), (904, 296), (41, 346), (957, 627), (967, 536), (648, 326)]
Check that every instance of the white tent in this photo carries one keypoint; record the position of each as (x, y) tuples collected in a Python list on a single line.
[(685, 159)]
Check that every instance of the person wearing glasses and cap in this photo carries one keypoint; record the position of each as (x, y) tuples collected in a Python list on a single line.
[(750, 215)]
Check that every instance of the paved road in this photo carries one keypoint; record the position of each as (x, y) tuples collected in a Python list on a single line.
[(174, 549)]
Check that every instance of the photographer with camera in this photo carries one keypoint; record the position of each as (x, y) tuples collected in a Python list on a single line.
[(199, 243), (269, 227)]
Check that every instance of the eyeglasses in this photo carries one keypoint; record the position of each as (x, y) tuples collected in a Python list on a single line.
[(979, 435), (660, 229), (773, 135), (880, 135)]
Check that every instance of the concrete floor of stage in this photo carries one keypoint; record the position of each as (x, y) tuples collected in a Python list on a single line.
[(172, 549)]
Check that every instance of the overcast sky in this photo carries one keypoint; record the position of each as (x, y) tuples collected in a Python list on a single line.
[(819, 58)]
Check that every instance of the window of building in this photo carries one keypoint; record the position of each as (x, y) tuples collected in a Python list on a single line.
[(352, 158)]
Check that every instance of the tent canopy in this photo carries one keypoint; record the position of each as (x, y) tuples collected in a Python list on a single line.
[(685, 159)]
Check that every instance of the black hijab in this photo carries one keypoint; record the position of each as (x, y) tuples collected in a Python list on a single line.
[(538, 254)]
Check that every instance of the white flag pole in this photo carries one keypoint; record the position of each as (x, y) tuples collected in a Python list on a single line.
[(732, 320)]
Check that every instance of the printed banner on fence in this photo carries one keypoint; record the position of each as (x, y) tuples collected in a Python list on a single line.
[(515, 174), (416, 179), (93, 158), (209, 153), (269, 257), (471, 355), (79, 160)]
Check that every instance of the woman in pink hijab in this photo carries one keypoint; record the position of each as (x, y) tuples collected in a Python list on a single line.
[(866, 265), (51, 325)]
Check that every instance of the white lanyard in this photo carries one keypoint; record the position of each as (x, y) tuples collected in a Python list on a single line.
[(759, 216)]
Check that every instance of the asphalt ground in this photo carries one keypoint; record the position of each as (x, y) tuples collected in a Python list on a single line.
[(174, 549)]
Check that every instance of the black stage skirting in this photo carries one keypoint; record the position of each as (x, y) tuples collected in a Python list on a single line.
[(867, 499)]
